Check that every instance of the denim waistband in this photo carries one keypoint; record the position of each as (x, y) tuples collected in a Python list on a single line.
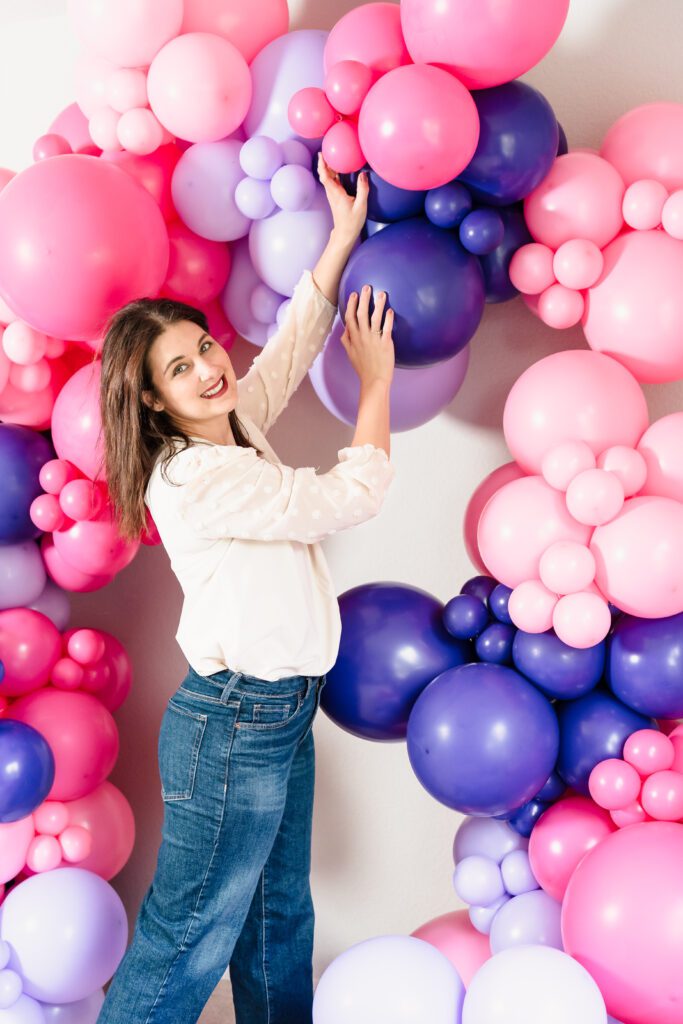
[(226, 681)]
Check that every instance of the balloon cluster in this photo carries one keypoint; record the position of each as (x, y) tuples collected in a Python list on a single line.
[(647, 783), (278, 175)]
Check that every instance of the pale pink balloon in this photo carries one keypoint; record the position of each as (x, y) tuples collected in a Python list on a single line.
[(370, 34), (128, 33), (51, 817), (566, 568), (81, 733), (531, 606), (649, 751), (76, 422), (647, 142), (249, 27), (562, 837), (519, 522), (581, 197), (139, 132), (347, 84), (662, 796), (577, 264), (633, 814), (198, 268), (635, 311), (76, 844), (566, 461), (91, 75), (628, 465), (560, 307), (15, 839), (125, 89), (661, 446), (531, 268), (454, 936), (108, 817), (199, 87), (65, 575), (595, 496), (310, 113), (582, 620), (31, 379), (30, 645), (342, 149), (639, 557), (95, 546), (103, 127), (614, 784), (572, 396), (22, 344), (672, 215), (621, 919), (475, 506), (643, 204), (44, 854), (406, 127)]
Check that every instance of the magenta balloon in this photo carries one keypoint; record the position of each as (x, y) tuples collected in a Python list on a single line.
[(417, 393), (283, 67), (96, 547), (67, 265), (76, 422), (30, 645)]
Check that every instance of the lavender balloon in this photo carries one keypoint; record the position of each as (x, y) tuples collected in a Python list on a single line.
[(477, 880), (265, 304), (236, 298), (203, 189), (253, 198), (488, 838), (85, 1011), (482, 918), (531, 919), (418, 393), (286, 244), (54, 603), (260, 157), (517, 875), (24, 1011), (22, 574), (287, 64), (293, 187)]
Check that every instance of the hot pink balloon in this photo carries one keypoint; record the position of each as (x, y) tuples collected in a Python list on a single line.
[(531, 268), (154, 172), (562, 837), (634, 313), (672, 215), (649, 751), (76, 422), (95, 546), (662, 796), (66, 267), (639, 557), (65, 575), (119, 675), (310, 113), (582, 620), (633, 814), (519, 522), (86, 646), (406, 127), (661, 447), (531, 606), (621, 920), (614, 784), (50, 145), (341, 148), (128, 33), (475, 506), (572, 396), (248, 27), (454, 936), (82, 736), (484, 42), (581, 197), (370, 34), (347, 84), (647, 142), (30, 645), (15, 839), (198, 268), (108, 817), (199, 87)]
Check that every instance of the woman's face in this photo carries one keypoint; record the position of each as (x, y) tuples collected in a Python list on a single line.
[(193, 378)]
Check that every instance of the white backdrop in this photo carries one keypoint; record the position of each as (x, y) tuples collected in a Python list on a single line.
[(382, 846)]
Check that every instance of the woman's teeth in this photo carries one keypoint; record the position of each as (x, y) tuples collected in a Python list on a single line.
[(216, 390)]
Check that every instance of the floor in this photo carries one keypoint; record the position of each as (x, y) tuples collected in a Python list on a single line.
[(218, 1010)]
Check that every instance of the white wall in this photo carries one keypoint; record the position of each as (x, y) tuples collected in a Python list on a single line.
[(381, 844)]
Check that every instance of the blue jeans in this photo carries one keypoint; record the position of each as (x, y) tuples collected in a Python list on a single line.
[(232, 879)]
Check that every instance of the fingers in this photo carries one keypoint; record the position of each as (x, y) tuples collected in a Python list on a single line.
[(351, 316), (364, 306), (376, 319), (362, 190), (388, 325)]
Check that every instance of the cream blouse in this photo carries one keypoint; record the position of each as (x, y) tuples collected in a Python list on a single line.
[(242, 530)]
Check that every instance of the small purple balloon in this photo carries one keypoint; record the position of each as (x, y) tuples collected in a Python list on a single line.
[(532, 919), (260, 157), (253, 198), (293, 187), (24, 1011), (494, 644), (477, 880), (482, 231), (55, 604), (295, 152), (482, 917), (448, 205), (265, 304), (480, 586), (465, 616), (517, 874), (22, 574), (203, 189)]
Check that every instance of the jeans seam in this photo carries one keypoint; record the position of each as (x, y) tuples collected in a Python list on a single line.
[(264, 937)]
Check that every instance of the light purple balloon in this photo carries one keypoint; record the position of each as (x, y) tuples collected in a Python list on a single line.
[(68, 932), (291, 62), (286, 244), (517, 874), (236, 298), (532, 919), (387, 979), (417, 395), (55, 604), (265, 304), (260, 157), (491, 838), (22, 574), (477, 880), (482, 917), (253, 198), (282, 311), (203, 188), (296, 152), (85, 1011), (10, 988), (24, 1011), (293, 187)]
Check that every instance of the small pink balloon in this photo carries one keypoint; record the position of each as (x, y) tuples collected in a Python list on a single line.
[(310, 113), (672, 215), (76, 844), (346, 85), (628, 465), (103, 128), (660, 446), (51, 817), (649, 751), (341, 148), (55, 474), (30, 644), (46, 514), (50, 145), (595, 497), (15, 839), (67, 674), (44, 854), (578, 263), (91, 75), (643, 204), (563, 463), (677, 740), (662, 796), (633, 814), (562, 837), (66, 575), (125, 89), (531, 268), (95, 546), (22, 344), (582, 620), (614, 784), (138, 131), (86, 646), (81, 500), (454, 936), (31, 379), (560, 307), (566, 568), (531, 606), (475, 506)]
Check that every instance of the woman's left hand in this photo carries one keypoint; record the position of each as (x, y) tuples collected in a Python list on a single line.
[(348, 212)]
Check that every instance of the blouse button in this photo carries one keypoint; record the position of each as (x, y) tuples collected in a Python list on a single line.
[(250, 388)]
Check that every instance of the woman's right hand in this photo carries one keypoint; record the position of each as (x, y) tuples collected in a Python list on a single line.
[(368, 344)]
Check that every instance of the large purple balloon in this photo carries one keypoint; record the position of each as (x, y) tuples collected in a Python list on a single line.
[(386, 202), (392, 645), (22, 454), (434, 287), (482, 740), (645, 664), (27, 769), (291, 62), (418, 393), (554, 667)]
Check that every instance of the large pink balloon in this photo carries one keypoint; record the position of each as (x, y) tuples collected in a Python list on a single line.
[(647, 142), (95, 546), (249, 27), (562, 837), (639, 557), (107, 815), (154, 172), (198, 268), (76, 422), (81, 733), (519, 522), (581, 197), (128, 33), (30, 645), (65, 575), (475, 506), (572, 396), (15, 839), (621, 919), (455, 937), (484, 42), (66, 266), (661, 446), (635, 310), (199, 87), (418, 127), (370, 34)]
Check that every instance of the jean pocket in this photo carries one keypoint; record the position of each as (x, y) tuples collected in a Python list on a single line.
[(180, 739)]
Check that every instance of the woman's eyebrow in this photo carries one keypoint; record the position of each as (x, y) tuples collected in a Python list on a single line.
[(176, 358)]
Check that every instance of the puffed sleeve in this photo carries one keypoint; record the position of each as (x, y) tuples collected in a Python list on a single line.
[(277, 371), (233, 492)]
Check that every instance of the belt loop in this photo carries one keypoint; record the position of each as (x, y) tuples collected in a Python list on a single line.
[(229, 687)]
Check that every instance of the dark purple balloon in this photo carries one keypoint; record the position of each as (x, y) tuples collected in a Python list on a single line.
[(447, 205), (553, 789), (386, 203), (556, 669), (499, 599), (482, 231), (645, 664), (517, 146), (371, 227), (465, 616), (480, 586), (494, 645), (562, 144), (435, 288), (523, 820), (592, 729), (27, 769), (393, 643), (22, 454), (482, 740), (496, 264)]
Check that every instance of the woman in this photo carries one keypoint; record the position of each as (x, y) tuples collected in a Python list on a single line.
[(260, 628)]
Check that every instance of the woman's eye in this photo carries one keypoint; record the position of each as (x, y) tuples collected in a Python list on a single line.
[(205, 345), (179, 368)]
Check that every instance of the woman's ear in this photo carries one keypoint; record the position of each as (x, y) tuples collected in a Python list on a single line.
[(152, 402)]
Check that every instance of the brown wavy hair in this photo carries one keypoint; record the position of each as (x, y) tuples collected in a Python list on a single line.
[(134, 434)]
